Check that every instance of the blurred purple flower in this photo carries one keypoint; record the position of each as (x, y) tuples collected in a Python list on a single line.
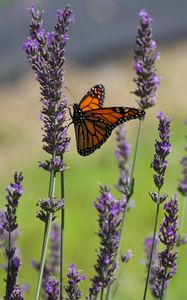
[(12, 288), (46, 52), (125, 257), (110, 217), (15, 191), (145, 55), (122, 154), (74, 278), (182, 188), (167, 258), (162, 149), (51, 288)]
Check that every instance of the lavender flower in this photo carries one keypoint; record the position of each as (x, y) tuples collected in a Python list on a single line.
[(182, 188), (159, 164), (12, 288), (54, 257), (17, 293), (122, 154), (125, 257), (45, 51), (51, 288), (167, 258), (145, 55), (47, 206), (109, 211), (14, 192), (162, 149), (3, 232), (74, 277)]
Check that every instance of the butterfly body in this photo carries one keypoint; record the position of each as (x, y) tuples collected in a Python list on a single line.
[(94, 123)]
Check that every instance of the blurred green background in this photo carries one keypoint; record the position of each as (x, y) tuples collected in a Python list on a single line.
[(21, 149)]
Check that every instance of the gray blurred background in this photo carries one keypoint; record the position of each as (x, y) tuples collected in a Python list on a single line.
[(103, 29)]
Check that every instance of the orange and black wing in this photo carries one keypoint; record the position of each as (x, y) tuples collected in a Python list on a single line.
[(98, 124), (93, 99)]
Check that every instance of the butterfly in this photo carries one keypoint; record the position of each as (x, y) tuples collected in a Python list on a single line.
[(94, 123)]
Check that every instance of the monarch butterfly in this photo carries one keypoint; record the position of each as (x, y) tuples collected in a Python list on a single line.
[(94, 123)]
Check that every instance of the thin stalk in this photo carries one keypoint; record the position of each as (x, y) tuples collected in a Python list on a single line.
[(130, 193), (101, 295), (117, 282), (163, 283), (46, 234), (136, 150), (152, 246), (62, 236), (108, 293)]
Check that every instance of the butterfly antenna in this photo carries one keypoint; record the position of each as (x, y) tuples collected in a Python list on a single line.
[(70, 93)]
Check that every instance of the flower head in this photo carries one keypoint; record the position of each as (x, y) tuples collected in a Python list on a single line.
[(162, 149), (13, 290), (122, 154), (166, 268), (74, 278), (145, 55), (14, 192), (182, 188), (46, 54), (47, 206), (109, 211), (51, 288)]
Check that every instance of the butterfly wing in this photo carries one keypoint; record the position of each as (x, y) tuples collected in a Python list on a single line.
[(98, 124), (93, 99)]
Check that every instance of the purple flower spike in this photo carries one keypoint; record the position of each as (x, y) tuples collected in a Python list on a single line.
[(51, 288), (145, 55), (162, 149), (47, 206), (46, 54), (166, 268), (122, 154), (12, 288), (54, 259), (110, 217), (182, 188), (74, 278)]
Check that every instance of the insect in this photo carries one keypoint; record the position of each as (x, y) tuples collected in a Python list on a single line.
[(94, 123)]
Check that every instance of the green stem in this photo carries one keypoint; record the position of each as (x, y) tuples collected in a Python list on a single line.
[(130, 193), (152, 246), (136, 150), (108, 293), (101, 295), (163, 283), (46, 234), (62, 236)]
